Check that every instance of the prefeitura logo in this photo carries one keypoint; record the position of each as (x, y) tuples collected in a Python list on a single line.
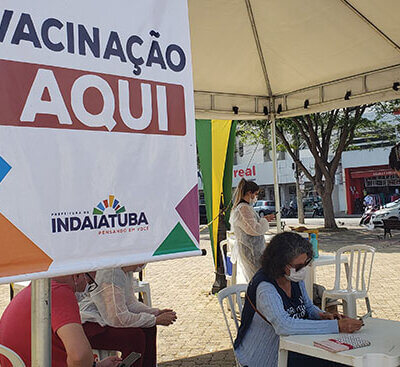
[(108, 217)]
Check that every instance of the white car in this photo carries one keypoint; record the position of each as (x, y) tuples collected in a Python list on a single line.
[(264, 207), (388, 211)]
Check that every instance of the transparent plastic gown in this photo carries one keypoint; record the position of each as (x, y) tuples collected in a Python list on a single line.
[(114, 302), (249, 231)]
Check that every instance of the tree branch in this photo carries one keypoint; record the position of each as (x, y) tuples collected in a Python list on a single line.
[(313, 135), (296, 159), (312, 145), (328, 133), (346, 135)]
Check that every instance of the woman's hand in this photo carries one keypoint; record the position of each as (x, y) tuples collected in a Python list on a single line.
[(112, 361), (166, 318), (326, 316), (164, 310), (331, 316), (347, 325), (270, 217)]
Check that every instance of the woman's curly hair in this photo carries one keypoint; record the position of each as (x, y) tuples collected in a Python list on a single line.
[(282, 249)]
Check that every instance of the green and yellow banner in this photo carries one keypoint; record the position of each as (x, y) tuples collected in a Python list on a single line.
[(216, 146)]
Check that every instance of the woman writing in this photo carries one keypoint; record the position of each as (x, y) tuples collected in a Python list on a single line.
[(277, 304), (248, 227)]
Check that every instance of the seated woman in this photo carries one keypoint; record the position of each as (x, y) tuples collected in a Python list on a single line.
[(277, 304), (113, 319)]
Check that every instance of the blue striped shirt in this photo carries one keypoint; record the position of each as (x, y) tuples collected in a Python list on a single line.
[(259, 347)]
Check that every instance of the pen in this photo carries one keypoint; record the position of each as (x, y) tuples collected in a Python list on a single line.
[(362, 319)]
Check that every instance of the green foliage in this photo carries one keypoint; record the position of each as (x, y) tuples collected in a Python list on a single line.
[(253, 132), (326, 135), (383, 109), (370, 131)]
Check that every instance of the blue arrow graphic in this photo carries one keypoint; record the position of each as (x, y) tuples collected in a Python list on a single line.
[(4, 168)]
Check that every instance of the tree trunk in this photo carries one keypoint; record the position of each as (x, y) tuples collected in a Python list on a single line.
[(329, 215)]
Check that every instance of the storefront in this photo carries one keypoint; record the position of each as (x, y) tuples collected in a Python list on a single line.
[(379, 181)]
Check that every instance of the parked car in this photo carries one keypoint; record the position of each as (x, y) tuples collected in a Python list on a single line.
[(203, 214), (264, 207), (388, 211)]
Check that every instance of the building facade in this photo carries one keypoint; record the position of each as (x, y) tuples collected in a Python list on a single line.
[(360, 173), (367, 172)]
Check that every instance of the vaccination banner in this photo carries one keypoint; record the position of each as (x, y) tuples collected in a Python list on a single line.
[(97, 136)]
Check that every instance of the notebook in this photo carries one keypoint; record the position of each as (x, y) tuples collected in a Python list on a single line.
[(342, 343)]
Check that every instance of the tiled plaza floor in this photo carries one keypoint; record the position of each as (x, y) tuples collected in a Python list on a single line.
[(199, 337)]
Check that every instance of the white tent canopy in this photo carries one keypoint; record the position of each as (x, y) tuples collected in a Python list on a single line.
[(279, 54)]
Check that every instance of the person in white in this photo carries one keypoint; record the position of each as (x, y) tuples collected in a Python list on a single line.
[(248, 227), (113, 318)]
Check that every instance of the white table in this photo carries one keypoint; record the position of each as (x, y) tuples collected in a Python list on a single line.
[(384, 350), (321, 261)]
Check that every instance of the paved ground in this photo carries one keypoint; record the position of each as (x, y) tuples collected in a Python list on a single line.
[(199, 337)]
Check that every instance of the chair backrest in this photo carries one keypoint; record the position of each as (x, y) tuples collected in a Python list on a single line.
[(223, 246), (13, 357), (360, 260), (233, 295)]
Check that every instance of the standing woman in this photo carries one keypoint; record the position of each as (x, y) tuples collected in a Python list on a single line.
[(248, 227)]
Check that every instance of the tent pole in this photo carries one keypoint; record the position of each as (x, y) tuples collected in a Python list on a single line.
[(275, 167), (41, 323)]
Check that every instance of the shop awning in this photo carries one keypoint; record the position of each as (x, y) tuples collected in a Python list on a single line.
[(363, 172)]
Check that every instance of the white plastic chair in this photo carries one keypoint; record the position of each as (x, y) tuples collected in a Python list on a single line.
[(13, 357), (361, 258), (224, 254), (233, 294), (143, 287)]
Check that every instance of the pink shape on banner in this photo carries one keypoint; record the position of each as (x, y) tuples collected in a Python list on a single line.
[(188, 209)]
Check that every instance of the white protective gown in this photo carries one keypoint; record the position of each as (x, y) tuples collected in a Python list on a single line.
[(249, 231), (114, 302)]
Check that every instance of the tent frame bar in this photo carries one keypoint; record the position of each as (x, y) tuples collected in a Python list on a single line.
[(372, 25), (333, 82), (259, 48), (41, 323), (341, 80), (253, 109), (275, 173)]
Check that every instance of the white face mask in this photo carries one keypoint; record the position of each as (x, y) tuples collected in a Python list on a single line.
[(297, 276), (253, 200)]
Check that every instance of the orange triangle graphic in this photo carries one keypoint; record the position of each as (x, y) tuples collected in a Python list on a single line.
[(18, 254)]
